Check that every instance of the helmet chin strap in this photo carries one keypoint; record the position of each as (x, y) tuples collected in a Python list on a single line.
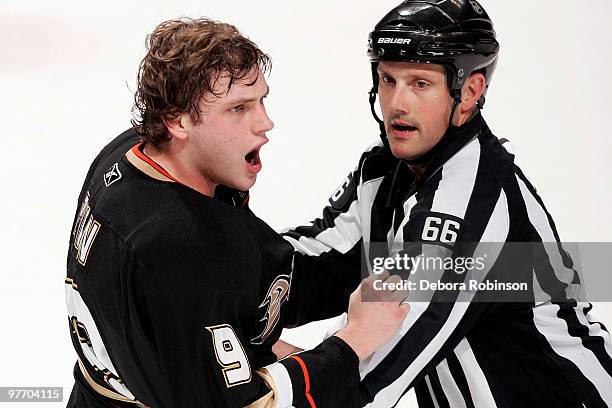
[(381, 124)]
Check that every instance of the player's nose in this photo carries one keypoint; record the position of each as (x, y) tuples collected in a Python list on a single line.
[(263, 123), (399, 101)]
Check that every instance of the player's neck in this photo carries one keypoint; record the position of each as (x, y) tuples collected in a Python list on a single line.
[(176, 162), (417, 169)]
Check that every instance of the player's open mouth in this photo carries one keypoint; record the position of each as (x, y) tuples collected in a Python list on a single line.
[(253, 160), (403, 128)]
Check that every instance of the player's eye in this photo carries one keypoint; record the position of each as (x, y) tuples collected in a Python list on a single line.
[(237, 108), (386, 79), (420, 84)]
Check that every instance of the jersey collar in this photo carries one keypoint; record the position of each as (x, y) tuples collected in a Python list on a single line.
[(146, 165)]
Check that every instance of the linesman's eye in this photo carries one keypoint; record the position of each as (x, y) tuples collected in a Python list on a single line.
[(421, 84), (387, 79)]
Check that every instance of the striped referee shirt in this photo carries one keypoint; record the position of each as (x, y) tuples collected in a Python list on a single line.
[(464, 353)]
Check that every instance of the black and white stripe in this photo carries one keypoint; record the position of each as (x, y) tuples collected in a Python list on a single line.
[(472, 354)]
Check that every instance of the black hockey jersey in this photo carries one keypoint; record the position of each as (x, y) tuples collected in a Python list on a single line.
[(175, 298)]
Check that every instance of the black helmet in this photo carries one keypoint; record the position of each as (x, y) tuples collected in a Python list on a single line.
[(457, 34)]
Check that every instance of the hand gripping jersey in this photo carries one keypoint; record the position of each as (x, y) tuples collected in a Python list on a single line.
[(462, 352), (175, 299)]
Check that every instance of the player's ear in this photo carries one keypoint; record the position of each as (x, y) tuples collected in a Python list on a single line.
[(178, 126), (471, 93)]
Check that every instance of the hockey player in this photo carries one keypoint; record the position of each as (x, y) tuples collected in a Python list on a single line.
[(438, 181), (175, 297)]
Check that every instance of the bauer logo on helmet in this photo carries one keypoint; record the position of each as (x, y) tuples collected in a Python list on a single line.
[(399, 41)]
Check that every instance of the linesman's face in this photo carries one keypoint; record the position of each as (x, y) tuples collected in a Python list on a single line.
[(225, 144), (416, 106)]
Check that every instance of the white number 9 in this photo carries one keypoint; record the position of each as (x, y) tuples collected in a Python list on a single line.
[(230, 355)]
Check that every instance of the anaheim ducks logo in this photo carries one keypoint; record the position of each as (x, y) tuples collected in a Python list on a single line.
[(277, 294)]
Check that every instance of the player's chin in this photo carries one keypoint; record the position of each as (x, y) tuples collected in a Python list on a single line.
[(403, 150), (244, 183), (250, 182)]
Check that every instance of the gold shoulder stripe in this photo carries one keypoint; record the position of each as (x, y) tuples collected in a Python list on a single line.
[(145, 167)]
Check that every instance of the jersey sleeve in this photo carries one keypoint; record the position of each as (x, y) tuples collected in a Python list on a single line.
[(327, 262), (326, 376)]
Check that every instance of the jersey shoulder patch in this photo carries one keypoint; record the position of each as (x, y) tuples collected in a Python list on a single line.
[(433, 227), (112, 175)]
